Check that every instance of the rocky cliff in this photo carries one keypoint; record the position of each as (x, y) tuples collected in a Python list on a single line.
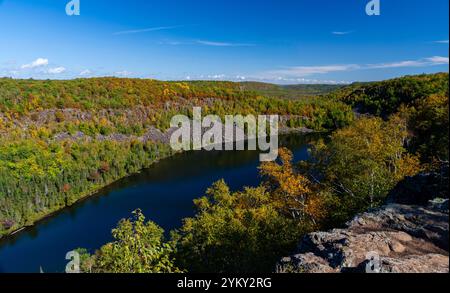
[(396, 238)]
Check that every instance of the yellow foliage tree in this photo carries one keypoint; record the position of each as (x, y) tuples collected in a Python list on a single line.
[(292, 191)]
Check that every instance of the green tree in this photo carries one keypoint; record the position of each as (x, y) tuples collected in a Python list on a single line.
[(428, 121), (139, 247), (364, 161), (235, 232)]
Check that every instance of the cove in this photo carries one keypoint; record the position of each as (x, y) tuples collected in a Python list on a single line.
[(165, 193)]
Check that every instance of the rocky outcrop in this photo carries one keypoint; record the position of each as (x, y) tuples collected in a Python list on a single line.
[(395, 238), (420, 189)]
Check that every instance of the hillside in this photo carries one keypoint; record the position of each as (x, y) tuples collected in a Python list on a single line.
[(422, 99), (384, 97), (289, 91), (62, 140)]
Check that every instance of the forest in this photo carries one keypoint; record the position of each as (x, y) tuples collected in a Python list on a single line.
[(63, 140), (384, 98)]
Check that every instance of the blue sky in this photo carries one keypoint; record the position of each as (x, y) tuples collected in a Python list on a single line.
[(301, 41)]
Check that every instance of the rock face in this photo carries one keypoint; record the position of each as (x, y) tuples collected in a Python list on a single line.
[(395, 238)]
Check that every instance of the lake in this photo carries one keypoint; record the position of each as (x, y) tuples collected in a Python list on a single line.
[(164, 192)]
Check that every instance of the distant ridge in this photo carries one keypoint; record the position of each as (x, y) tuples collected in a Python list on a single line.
[(289, 91)]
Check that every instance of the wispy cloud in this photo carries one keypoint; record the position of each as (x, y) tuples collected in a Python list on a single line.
[(431, 61), (441, 42), (172, 43), (36, 63), (85, 72), (438, 60), (283, 80), (278, 80), (204, 43), (222, 44), (218, 76), (299, 72), (411, 63), (56, 70), (341, 33), (145, 30)]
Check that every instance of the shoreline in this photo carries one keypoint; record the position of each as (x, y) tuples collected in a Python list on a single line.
[(90, 194), (82, 198)]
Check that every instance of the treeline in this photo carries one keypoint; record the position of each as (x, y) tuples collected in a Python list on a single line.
[(290, 91), (249, 230), (385, 97), (110, 101), (38, 178), (421, 100), (25, 96)]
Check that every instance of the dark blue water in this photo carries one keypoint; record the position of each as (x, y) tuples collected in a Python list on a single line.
[(164, 192)]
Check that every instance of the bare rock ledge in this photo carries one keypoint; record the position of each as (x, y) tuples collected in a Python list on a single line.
[(403, 239)]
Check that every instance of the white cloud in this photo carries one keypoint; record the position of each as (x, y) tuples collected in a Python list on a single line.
[(413, 63), (299, 72), (441, 42), (56, 70), (36, 63), (145, 30), (438, 60), (431, 61), (223, 44), (85, 72)]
